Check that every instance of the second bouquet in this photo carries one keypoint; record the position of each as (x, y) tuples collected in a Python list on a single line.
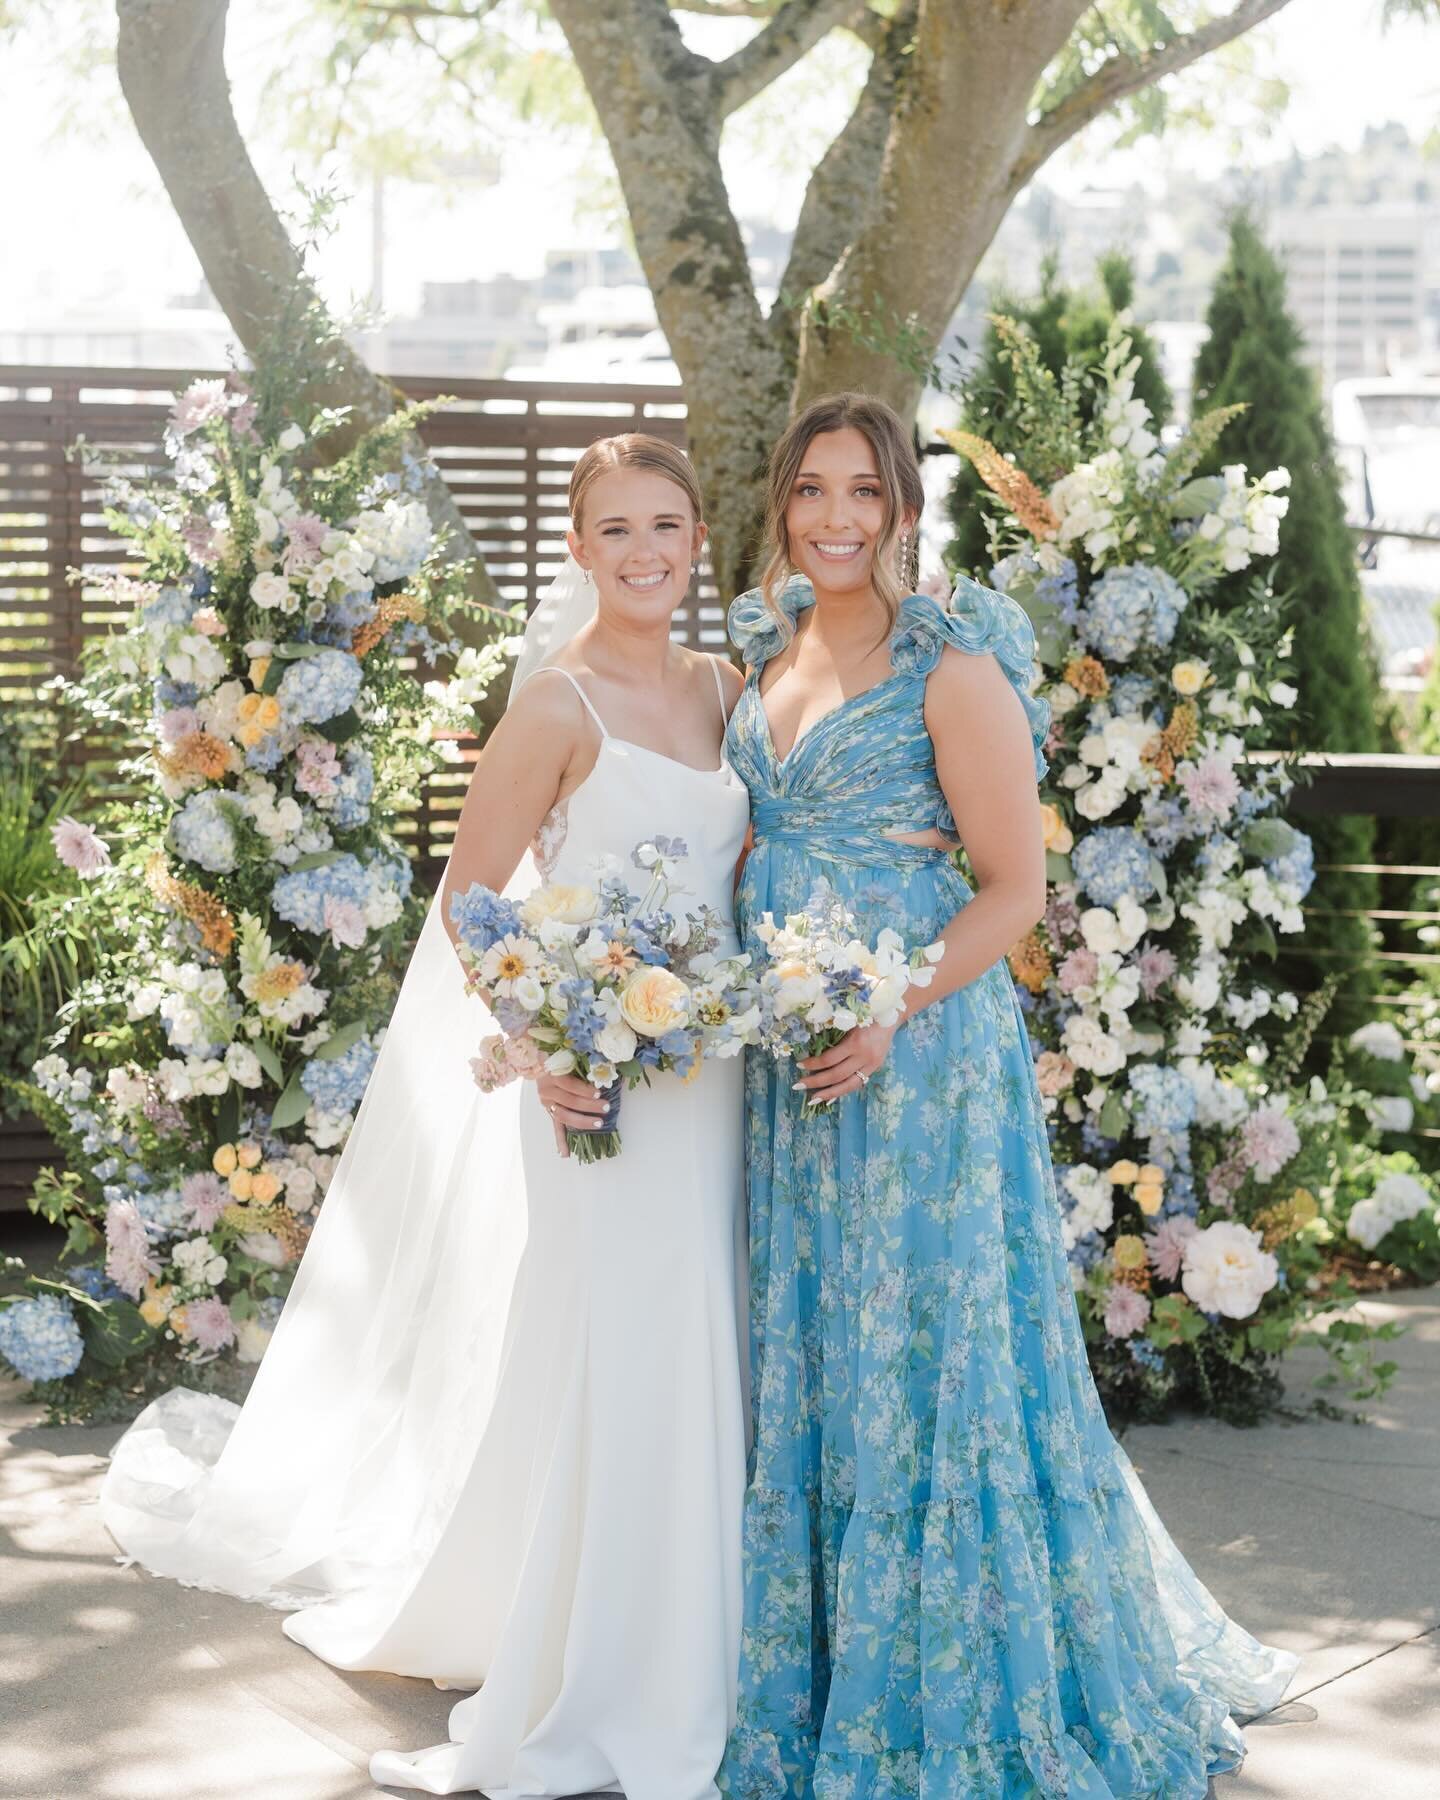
[(599, 981)]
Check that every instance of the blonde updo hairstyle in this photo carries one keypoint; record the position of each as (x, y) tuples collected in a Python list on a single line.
[(632, 450), (897, 467)]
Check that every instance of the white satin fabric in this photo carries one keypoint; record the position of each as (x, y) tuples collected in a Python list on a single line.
[(498, 1438)]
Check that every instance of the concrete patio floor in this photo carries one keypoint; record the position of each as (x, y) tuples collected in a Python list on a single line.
[(1322, 1537)]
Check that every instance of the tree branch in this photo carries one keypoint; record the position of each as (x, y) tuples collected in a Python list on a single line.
[(793, 32), (1121, 75), (845, 179)]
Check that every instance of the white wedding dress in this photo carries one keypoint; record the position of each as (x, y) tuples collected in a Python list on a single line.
[(498, 1439)]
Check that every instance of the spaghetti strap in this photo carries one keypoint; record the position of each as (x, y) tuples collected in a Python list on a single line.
[(555, 669), (719, 690)]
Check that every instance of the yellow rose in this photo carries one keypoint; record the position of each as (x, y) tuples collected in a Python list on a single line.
[(155, 1307), (653, 1002), (1149, 1196), (247, 708), (1058, 836), (259, 666), (1123, 1174), (268, 715), (792, 969), (1151, 1173), (566, 905), (178, 1321), (1128, 1252), (224, 1161), (1190, 677), (249, 1155), (264, 1187), (240, 1184)]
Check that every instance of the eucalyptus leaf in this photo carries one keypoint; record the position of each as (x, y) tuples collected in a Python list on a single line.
[(292, 1105), (1057, 867), (291, 649), (342, 726), (315, 859), (1158, 876), (268, 1060), (1113, 1117), (340, 1041)]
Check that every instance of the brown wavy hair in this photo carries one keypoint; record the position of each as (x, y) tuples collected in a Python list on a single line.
[(895, 463), (632, 450)]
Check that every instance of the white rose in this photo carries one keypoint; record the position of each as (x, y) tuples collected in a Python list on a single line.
[(1226, 1271), (1100, 929), (529, 992), (269, 590)]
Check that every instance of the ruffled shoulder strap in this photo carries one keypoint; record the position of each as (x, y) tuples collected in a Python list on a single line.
[(978, 621), (754, 629)]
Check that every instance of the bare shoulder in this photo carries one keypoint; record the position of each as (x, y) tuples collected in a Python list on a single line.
[(961, 677), (546, 705), (731, 680)]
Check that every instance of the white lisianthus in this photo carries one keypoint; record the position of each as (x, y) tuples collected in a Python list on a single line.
[(1225, 1270), (1282, 694), (1200, 989), (1100, 798)]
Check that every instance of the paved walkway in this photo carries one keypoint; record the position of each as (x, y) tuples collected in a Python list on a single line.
[(1322, 1537)]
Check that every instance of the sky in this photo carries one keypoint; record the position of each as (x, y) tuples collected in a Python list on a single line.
[(119, 246)]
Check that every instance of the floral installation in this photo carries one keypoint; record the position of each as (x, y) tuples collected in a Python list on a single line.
[(822, 981), (1196, 1174), (594, 980), (249, 901)]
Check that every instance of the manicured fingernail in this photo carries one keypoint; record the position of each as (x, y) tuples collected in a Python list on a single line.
[(798, 1084)]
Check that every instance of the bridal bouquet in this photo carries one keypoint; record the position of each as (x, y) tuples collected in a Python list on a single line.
[(599, 982), (822, 981)]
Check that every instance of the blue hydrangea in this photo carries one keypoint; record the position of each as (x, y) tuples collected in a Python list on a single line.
[(352, 610), (1166, 1099), (92, 1279), (481, 917), (169, 607), (300, 896), (1131, 693), (319, 687), (1060, 590), (336, 1083), (1111, 862), (40, 1339), (1296, 868), (203, 831), (1146, 1354), (1128, 607), (163, 1209), (265, 755), (169, 693), (351, 803), (1163, 821)]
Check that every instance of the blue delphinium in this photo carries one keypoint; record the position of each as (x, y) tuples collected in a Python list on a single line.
[(1060, 590), (1130, 606), (481, 917), (169, 607), (40, 1339), (92, 1280), (319, 687), (162, 1208), (203, 831), (1163, 820), (1111, 862), (336, 1083), (1148, 1355), (1166, 1099), (583, 1023)]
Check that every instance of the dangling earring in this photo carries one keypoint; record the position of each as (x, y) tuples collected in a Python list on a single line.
[(905, 558), (585, 576)]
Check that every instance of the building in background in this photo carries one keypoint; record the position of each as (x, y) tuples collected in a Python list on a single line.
[(1357, 285)]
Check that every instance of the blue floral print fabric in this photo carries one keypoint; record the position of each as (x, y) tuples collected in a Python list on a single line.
[(955, 1587)]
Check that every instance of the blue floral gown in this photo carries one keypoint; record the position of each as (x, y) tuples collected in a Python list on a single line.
[(954, 1583)]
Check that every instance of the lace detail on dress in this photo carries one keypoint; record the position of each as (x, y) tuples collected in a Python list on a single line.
[(550, 838)]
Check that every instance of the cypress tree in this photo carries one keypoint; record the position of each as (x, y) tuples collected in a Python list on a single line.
[(1255, 354)]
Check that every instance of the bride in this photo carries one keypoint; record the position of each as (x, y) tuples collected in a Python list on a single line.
[(498, 1438)]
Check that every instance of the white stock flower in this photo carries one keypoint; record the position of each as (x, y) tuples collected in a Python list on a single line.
[(1380, 1039)]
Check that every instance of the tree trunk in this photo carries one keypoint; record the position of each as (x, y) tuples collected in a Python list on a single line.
[(171, 60), (950, 172)]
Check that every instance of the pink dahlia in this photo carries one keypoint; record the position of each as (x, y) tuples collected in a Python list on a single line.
[(208, 1323), (1268, 1141), (1210, 786), (1166, 1244), (78, 847), (206, 1195), (1126, 1312), (1156, 966), (1078, 970), (345, 922), (128, 1261)]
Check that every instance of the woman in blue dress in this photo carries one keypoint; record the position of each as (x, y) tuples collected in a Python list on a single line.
[(954, 1583)]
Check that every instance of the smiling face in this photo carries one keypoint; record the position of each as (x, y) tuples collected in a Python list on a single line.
[(836, 513), (638, 537)]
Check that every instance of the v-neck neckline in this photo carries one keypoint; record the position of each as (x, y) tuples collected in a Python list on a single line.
[(815, 724)]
